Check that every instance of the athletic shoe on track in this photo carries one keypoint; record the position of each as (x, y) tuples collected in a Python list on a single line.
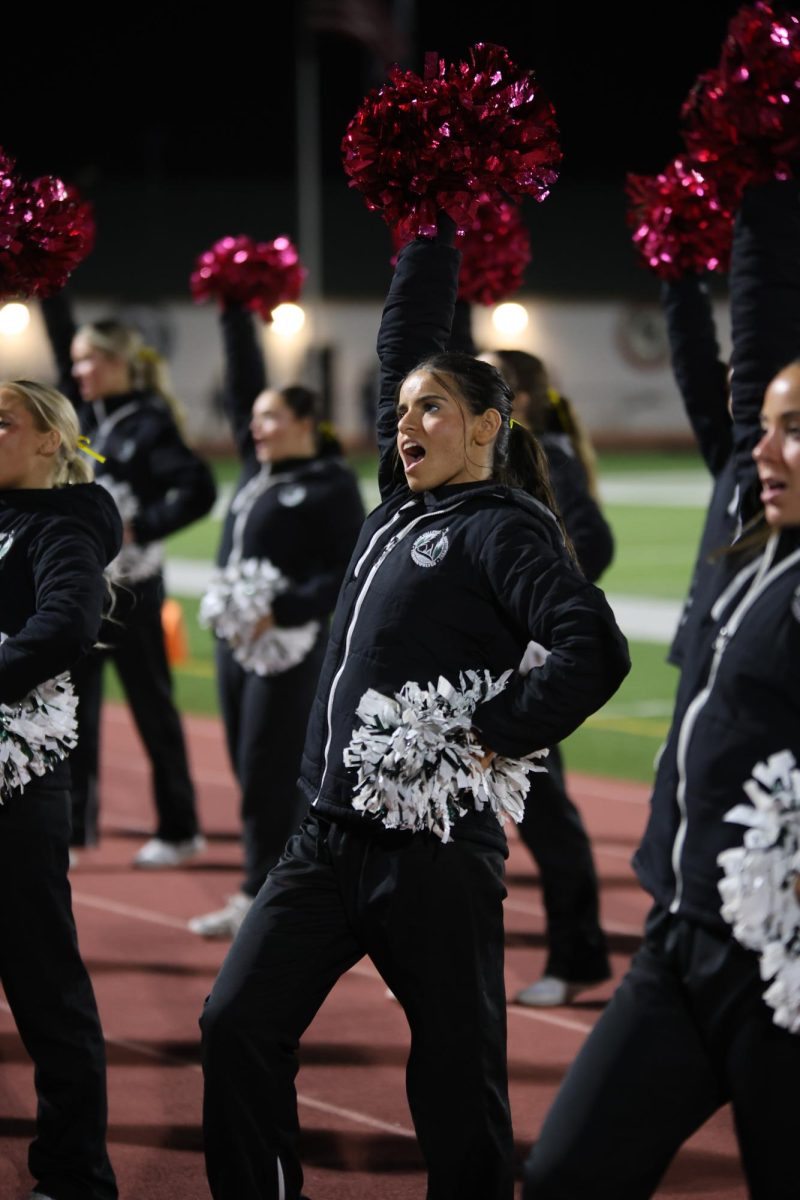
[(550, 992), (225, 922), (156, 853)]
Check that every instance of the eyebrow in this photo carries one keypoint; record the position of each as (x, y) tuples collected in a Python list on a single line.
[(437, 396)]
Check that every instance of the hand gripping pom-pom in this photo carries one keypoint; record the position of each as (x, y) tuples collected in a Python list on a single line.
[(239, 596), (758, 888), (257, 275), (477, 132), (134, 563), (743, 117), (680, 224), (418, 760), (46, 230), (37, 732)]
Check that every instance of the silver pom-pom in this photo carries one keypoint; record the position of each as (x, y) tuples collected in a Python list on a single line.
[(238, 598), (134, 563), (418, 760), (37, 732), (758, 890)]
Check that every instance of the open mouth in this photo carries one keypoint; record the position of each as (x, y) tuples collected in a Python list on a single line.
[(771, 488), (412, 454)]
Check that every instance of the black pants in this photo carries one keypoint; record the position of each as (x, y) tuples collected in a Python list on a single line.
[(265, 728), (136, 647), (685, 1033), (553, 831), (51, 998), (430, 917)]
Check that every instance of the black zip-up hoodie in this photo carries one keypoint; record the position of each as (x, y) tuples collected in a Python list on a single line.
[(738, 700), (55, 544), (141, 443), (303, 514), (463, 577)]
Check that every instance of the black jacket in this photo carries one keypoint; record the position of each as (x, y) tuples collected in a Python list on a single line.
[(738, 699), (55, 544), (464, 577), (304, 515), (701, 377), (142, 445)]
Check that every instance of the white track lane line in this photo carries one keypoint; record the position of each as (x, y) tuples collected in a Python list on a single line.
[(349, 1114), (365, 970)]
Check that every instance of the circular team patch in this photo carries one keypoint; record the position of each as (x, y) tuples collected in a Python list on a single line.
[(430, 548), (291, 496)]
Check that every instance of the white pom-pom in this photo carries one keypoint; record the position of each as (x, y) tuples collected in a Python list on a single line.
[(758, 885), (37, 732), (238, 598), (134, 563), (418, 760)]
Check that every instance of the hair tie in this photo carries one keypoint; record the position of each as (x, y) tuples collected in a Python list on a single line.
[(512, 424), (326, 429), (83, 444), (148, 355)]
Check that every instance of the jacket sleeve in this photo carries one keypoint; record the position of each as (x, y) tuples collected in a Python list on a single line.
[(60, 325), (461, 338), (245, 373), (416, 323), (70, 591), (583, 519), (315, 598), (699, 372), (765, 310), (544, 595), (185, 486)]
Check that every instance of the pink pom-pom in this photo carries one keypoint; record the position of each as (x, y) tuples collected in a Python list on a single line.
[(46, 230), (743, 117), (464, 136), (680, 224), (494, 255), (257, 275)]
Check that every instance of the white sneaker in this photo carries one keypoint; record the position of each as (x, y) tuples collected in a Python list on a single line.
[(551, 992), (157, 853), (225, 922)]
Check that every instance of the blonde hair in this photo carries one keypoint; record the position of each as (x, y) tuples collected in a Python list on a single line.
[(147, 369), (51, 410)]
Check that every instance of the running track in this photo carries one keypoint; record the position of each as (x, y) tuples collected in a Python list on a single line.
[(151, 976)]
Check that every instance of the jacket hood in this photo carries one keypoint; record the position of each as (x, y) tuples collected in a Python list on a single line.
[(542, 516), (87, 503)]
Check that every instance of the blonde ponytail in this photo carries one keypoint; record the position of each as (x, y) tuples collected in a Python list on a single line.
[(147, 368), (51, 410)]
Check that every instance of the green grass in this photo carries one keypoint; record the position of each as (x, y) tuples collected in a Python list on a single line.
[(655, 552)]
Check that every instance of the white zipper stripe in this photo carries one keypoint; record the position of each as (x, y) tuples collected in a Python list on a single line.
[(394, 541), (733, 587), (281, 1181), (765, 576), (377, 534)]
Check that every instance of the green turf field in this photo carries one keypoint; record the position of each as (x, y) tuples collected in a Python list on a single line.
[(655, 544)]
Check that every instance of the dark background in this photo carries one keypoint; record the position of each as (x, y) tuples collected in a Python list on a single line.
[(181, 128)]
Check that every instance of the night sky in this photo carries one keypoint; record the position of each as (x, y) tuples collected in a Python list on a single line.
[(205, 97)]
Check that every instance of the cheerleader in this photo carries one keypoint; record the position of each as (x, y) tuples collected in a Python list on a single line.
[(458, 569), (696, 1023), (552, 828), (292, 524), (160, 486), (55, 541)]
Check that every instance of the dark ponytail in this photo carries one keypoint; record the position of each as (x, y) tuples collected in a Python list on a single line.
[(519, 460), (303, 402)]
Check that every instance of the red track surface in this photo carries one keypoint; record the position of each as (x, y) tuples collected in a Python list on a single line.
[(151, 976)]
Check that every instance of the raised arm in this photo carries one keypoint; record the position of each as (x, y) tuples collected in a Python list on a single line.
[(245, 373), (765, 276), (700, 374), (60, 324), (416, 322)]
